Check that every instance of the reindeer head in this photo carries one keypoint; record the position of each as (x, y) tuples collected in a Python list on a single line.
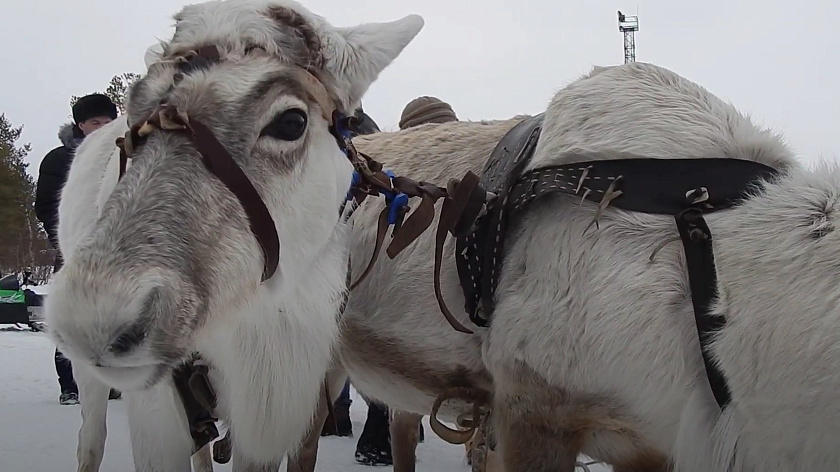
[(173, 246)]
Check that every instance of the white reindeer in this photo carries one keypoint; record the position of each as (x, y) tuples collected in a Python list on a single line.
[(593, 347), (164, 263)]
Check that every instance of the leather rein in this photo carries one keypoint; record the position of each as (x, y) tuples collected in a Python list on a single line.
[(463, 200)]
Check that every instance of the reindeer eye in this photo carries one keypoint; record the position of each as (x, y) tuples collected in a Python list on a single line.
[(287, 126)]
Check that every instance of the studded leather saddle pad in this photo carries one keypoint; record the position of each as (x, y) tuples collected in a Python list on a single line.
[(632, 183), (506, 162)]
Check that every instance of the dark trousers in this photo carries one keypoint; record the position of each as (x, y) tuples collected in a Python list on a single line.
[(64, 369), (374, 444), (344, 398)]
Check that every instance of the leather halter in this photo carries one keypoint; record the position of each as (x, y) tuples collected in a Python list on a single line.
[(221, 164)]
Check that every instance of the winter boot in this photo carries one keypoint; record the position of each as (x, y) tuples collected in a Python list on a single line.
[(114, 394), (329, 428), (69, 398), (343, 426), (338, 421), (374, 446), (338, 424)]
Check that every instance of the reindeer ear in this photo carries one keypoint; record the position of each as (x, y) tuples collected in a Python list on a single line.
[(355, 56), (153, 54)]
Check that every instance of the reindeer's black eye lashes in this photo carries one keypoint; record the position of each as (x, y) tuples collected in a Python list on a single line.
[(253, 47), (287, 126)]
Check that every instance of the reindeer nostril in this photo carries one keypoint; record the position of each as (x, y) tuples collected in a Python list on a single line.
[(128, 340)]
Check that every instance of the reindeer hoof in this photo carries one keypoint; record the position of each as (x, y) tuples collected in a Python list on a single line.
[(222, 450)]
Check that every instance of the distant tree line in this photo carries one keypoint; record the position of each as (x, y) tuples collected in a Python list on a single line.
[(23, 242)]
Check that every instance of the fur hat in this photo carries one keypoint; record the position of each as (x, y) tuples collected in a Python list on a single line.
[(426, 109), (93, 105)]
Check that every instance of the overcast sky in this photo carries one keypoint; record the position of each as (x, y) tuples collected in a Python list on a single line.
[(777, 61)]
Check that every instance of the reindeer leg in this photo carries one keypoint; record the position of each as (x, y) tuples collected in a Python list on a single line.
[(651, 462), (241, 464), (159, 432), (202, 461), (93, 398), (493, 462), (404, 437), (304, 458), (526, 442), (477, 449), (222, 449), (307, 454)]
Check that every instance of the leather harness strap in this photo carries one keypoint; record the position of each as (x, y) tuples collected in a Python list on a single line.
[(467, 201), (199, 401), (684, 188), (219, 162), (702, 276), (505, 165), (373, 180)]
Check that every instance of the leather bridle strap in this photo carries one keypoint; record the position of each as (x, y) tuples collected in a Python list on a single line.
[(218, 160), (221, 164)]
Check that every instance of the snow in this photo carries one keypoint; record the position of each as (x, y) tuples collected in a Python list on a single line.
[(39, 289), (38, 434)]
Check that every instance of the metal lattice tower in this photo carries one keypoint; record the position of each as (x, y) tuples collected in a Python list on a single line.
[(628, 25)]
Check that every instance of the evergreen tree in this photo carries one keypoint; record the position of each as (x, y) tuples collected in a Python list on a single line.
[(23, 242), (117, 90)]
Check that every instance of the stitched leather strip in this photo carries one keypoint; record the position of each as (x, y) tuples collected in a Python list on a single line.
[(654, 186), (456, 215), (511, 154), (498, 223)]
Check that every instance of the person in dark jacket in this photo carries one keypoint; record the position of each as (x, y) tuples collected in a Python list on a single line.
[(90, 113)]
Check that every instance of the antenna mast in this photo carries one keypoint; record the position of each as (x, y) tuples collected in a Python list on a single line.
[(628, 25)]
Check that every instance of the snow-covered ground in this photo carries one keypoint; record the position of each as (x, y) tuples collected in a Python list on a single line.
[(39, 435)]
